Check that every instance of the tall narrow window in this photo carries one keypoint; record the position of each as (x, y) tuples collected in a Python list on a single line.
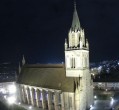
[(74, 62), (71, 63)]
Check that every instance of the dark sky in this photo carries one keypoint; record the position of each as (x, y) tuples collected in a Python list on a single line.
[(37, 29)]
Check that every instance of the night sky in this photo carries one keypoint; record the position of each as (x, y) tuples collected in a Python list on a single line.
[(38, 28)]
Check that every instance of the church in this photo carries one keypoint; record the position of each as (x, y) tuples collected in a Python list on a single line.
[(65, 86)]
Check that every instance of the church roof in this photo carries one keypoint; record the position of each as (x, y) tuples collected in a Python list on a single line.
[(75, 21), (46, 76)]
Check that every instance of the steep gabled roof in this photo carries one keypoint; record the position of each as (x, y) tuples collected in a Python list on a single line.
[(46, 76)]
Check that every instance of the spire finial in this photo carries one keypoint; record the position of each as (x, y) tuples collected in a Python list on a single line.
[(75, 22), (74, 5)]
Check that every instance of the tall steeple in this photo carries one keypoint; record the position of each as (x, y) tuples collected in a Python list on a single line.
[(23, 60), (75, 21)]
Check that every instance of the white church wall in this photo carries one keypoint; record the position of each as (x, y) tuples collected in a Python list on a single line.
[(68, 101)]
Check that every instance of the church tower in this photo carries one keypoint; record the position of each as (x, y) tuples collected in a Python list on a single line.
[(76, 49), (77, 63)]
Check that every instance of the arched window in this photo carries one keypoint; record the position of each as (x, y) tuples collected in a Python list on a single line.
[(72, 60)]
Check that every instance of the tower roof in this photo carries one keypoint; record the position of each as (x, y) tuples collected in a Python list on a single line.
[(75, 21)]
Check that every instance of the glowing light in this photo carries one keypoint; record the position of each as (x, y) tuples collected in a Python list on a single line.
[(3, 90), (19, 103), (12, 89), (95, 97), (5, 96), (99, 83), (11, 99), (30, 107), (91, 106), (112, 101)]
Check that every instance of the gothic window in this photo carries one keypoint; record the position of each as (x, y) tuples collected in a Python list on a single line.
[(74, 62)]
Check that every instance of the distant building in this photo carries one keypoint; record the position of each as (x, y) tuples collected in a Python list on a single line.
[(60, 86), (7, 72), (106, 85)]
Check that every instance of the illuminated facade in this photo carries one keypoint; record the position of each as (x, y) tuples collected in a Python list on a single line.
[(59, 86), (77, 64)]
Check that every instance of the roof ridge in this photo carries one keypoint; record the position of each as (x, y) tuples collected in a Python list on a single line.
[(45, 65)]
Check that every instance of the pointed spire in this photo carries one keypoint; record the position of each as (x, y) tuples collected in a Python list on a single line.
[(87, 44), (19, 68), (66, 45), (75, 21), (23, 60)]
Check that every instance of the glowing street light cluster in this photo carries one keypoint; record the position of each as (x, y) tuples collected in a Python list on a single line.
[(10, 96), (12, 89)]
